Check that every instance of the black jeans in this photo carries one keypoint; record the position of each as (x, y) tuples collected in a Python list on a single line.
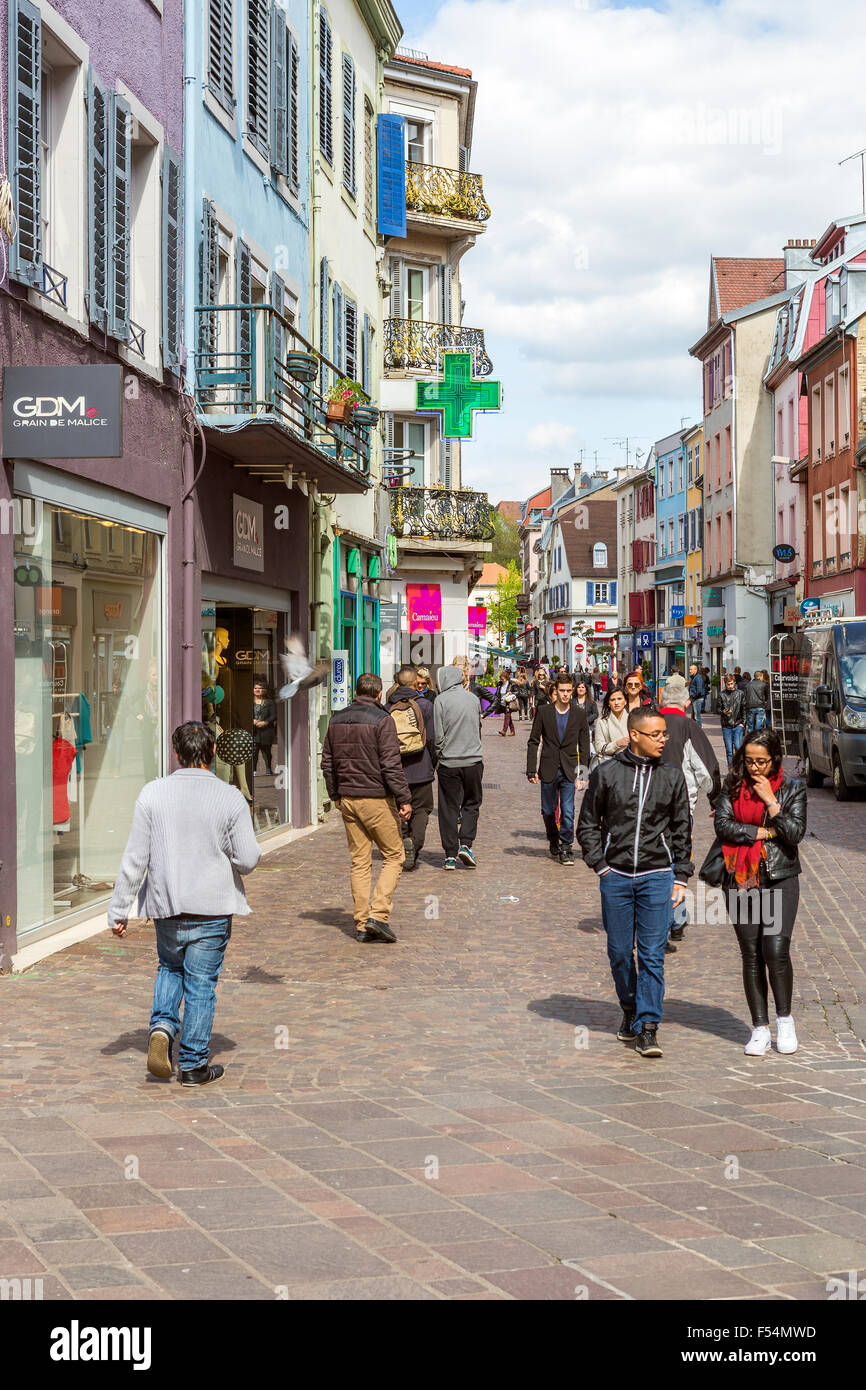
[(460, 795), (763, 919), (523, 701), (422, 809), (264, 742)]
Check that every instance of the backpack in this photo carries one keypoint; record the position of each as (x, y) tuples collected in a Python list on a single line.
[(411, 729)]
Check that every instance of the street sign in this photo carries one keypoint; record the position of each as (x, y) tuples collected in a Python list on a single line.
[(645, 639), (784, 554), (578, 647), (810, 605), (678, 612)]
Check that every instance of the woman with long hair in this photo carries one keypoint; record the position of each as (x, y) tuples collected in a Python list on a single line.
[(636, 692), (760, 819), (539, 689), (611, 729), (522, 690), (582, 699)]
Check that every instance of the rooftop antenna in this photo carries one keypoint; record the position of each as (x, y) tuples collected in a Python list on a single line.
[(861, 154)]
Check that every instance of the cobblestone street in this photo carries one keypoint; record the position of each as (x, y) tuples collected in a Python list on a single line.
[(450, 1117)]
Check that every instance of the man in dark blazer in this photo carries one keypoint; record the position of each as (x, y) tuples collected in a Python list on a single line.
[(563, 732)]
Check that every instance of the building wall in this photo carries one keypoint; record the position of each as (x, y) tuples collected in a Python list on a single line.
[(753, 434)]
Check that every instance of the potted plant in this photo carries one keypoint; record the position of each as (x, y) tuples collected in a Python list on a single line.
[(303, 366), (344, 398)]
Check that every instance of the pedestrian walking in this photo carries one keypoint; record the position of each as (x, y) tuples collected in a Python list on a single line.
[(523, 691), (611, 729), (636, 693), (412, 713), (732, 712), (562, 731), (459, 767), (506, 700), (634, 830), (423, 683), (697, 691), (191, 842), (364, 776), (756, 697), (688, 748), (539, 689), (760, 819), (582, 700)]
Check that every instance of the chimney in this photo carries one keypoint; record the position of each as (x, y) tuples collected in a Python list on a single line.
[(560, 482), (798, 258)]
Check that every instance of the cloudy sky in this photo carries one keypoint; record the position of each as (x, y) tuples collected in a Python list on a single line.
[(621, 144)]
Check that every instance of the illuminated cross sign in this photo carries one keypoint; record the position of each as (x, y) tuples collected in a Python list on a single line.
[(458, 396)]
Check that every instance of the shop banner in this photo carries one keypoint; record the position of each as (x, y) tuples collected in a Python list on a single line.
[(478, 621), (63, 412), (424, 602), (248, 534), (339, 680)]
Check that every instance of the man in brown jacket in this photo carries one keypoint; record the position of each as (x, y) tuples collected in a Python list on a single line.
[(364, 776)]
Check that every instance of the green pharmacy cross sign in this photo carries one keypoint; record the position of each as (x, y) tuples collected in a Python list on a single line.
[(458, 396)]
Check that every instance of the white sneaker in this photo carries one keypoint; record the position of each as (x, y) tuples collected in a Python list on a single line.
[(759, 1043), (786, 1037)]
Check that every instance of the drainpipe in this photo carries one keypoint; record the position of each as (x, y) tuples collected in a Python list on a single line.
[(191, 639)]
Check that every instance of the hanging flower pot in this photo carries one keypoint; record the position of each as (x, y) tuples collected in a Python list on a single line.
[(303, 366), (340, 412), (367, 416)]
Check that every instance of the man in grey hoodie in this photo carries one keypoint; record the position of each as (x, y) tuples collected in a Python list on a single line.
[(457, 729)]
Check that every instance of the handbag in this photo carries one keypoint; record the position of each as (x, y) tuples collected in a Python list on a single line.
[(713, 871)]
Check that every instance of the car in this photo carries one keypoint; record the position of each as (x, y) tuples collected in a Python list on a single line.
[(832, 691)]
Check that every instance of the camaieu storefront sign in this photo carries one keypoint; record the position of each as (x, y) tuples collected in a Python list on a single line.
[(63, 412)]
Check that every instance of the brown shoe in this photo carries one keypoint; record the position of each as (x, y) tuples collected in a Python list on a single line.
[(159, 1054)]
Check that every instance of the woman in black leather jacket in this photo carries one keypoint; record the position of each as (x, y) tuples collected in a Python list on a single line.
[(760, 819)]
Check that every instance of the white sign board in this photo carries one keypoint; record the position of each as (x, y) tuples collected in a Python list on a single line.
[(339, 680)]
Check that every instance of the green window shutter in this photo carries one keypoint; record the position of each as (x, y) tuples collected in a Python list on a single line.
[(294, 121), (120, 131), (220, 58), (25, 135), (326, 114), (99, 200), (257, 74), (279, 92), (172, 260), (349, 169)]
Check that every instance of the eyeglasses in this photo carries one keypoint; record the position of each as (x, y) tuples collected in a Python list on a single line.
[(632, 685), (663, 736), (758, 762)]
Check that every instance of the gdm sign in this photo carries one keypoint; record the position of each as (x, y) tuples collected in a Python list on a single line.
[(63, 412), (248, 533)]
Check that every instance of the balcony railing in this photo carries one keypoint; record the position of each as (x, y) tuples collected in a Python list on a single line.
[(413, 344), (441, 514), (446, 192), (241, 378)]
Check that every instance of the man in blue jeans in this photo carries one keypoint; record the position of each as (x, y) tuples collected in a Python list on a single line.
[(697, 692), (191, 841), (563, 732), (635, 832)]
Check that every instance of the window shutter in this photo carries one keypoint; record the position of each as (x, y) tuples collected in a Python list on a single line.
[(220, 65), (396, 287), (349, 168), (294, 129), (391, 175), (351, 339), (25, 135), (613, 591), (444, 276), (367, 366), (338, 329), (257, 74), (326, 115), (98, 200), (389, 438), (279, 100), (172, 261), (590, 593), (323, 319), (278, 303), (120, 132), (464, 159), (447, 463), (208, 273), (244, 270)]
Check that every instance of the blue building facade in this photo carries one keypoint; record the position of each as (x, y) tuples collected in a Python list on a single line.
[(669, 576)]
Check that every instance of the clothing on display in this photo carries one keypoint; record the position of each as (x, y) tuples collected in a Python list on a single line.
[(62, 758)]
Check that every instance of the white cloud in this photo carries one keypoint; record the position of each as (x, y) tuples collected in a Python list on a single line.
[(542, 438), (620, 148)]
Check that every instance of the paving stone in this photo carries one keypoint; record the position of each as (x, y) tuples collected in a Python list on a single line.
[(303, 1254), (166, 1247)]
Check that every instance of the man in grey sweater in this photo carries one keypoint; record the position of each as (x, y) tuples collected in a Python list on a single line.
[(457, 730), (191, 840)]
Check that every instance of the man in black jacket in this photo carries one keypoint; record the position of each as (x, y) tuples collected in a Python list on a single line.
[(635, 831), (563, 732), (419, 767), (697, 692)]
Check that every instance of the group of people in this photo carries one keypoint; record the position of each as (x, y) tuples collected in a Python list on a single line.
[(641, 767)]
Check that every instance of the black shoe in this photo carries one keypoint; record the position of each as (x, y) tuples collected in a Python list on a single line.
[(566, 856), (200, 1076), (625, 1034), (554, 851), (159, 1050), (647, 1043), (380, 931), (409, 851), (677, 933), (670, 948)]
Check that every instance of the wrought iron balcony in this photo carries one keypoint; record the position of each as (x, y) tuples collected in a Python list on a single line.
[(242, 379), (414, 345), (445, 192), (441, 514)]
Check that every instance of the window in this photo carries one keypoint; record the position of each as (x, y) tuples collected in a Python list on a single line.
[(368, 161), (817, 535), (843, 293), (661, 480), (681, 543), (691, 458), (718, 544), (727, 371), (599, 555), (829, 417), (418, 141), (671, 478), (844, 408), (845, 527), (220, 54), (729, 540), (351, 331), (145, 244), (718, 457), (670, 536), (708, 546), (415, 293), (349, 165), (816, 424), (326, 114), (411, 436), (367, 355), (258, 59), (680, 479), (729, 455), (601, 593), (697, 460), (831, 302), (284, 102)]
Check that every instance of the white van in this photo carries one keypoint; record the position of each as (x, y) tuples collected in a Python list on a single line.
[(833, 704)]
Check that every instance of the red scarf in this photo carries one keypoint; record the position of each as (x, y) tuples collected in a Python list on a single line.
[(743, 861)]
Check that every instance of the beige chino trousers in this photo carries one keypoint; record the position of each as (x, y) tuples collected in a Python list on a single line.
[(369, 821)]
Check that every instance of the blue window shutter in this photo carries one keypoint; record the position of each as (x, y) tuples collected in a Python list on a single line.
[(257, 74), (349, 178), (323, 318), (25, 135), (294, 118), (98, 200), (391, 175), (338, 357), (119, 215), (613, 592), (172, 260), (590, 593), (220, 57), (326, 112), (279, 99)]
